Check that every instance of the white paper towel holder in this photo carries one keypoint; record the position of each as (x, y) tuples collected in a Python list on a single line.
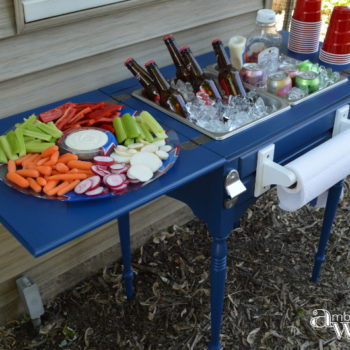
[(270, 173)]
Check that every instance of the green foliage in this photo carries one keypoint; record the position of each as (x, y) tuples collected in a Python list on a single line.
[(327, 7)]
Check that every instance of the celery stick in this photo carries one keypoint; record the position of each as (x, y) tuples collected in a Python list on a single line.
[(130, 126), (152, 124), (3, 158), (12, 140), (50, 130), (20, 142), (120, 132), (32, 128), (128, 142), (7, 148), (30, 121), (37, 146), (147, 135), (37, 135)]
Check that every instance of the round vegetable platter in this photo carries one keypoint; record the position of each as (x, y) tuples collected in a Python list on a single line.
[(119, 169)]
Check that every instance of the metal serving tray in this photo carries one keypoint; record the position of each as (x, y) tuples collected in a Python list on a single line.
[(269, 100), (212, 71)]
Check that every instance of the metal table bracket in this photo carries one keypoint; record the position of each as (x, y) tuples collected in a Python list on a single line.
[(234, 187)]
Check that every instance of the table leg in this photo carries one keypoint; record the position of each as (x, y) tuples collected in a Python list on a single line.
[(218, 280), (328, 218), (128, 274)]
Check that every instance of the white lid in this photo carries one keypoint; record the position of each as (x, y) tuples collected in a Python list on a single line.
[(266, 16)]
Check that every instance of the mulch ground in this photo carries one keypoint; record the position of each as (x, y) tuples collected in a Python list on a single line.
[(269, 297)]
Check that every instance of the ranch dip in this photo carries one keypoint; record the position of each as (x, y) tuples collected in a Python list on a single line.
[(85, 140)]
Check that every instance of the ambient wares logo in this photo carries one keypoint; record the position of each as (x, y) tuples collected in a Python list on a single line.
[(339, 322)]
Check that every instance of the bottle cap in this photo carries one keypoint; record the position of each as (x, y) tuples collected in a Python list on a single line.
[(130, 59), (168, 37), (266, 16), (218, 40), (149, 62), (184, 48)]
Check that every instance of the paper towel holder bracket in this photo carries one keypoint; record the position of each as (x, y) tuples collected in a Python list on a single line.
[(341, 121), (269, 172)]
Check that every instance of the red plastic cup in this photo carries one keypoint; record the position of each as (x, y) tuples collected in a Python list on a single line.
[(337, 39), (307, 10)]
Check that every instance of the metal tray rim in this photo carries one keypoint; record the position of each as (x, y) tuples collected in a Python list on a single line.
[(214, 135)]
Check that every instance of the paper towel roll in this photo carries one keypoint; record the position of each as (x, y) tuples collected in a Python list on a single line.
[(316, 171)]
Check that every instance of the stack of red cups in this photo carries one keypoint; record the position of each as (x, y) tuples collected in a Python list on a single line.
[(305, 27), (336, 44)]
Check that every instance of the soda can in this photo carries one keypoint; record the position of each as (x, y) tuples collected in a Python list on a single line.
[(308, 81), (290, 69), (253, 74), (279, 84)]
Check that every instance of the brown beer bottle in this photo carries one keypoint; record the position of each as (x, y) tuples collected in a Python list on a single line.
[(149, 89), (199, 80), (169, 98), (181, 72), (229, 78)]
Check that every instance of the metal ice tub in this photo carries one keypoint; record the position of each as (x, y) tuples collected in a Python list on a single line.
[(269, 100)]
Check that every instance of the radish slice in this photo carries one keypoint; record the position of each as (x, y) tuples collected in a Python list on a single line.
[(114, 180), (119, 188), (103, 160), (140, 172), (120, 159), (95, 181), (147, 159), (99, 170), (162, 154), (149, 148), (133, 181), (165, 148), (159, 143), (83, 186), (117, 166), (121, 171), (96, 192), (135, 145)]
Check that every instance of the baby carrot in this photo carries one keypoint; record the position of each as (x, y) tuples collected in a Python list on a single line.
[(41, 181), (67, 188), (28, 172), (49, 151), (34, 185), (11, 166), (20, 160), (53, 158), (61, 167), (18, 180), (68, 176), (44, 170), (33, 157), (42, 161), (79, 164), (50, 185), (55, 189), (65, 158), (73, 171)]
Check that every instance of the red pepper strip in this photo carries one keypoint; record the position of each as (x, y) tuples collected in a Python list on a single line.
[(68, 114), (55, 113), (80, 115), (108, 127), (102, 120), (92, 105), (74, 126), (51, 115), (99, 113)]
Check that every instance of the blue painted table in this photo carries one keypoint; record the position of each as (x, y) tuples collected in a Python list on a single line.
[(197, 179), (293, 132)]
